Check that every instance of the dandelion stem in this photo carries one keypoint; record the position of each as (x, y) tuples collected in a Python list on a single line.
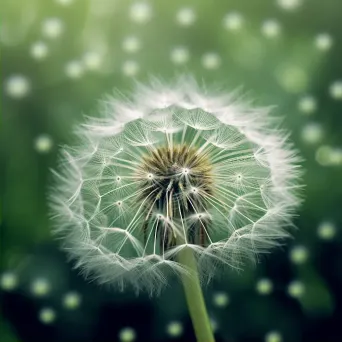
[(194, 297)]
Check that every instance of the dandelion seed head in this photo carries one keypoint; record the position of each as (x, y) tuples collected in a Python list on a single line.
[(173, 168)]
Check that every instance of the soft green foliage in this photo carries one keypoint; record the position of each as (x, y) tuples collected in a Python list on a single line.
[(60, 56)]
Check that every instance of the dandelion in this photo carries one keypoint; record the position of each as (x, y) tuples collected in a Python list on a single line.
[(174, 182)]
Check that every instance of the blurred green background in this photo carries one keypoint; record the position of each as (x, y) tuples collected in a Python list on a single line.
[(59, 57)]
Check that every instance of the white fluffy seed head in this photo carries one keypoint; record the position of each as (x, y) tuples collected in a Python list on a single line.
[(173, 168)]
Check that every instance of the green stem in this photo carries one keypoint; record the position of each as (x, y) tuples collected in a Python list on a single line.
[(194, 297)]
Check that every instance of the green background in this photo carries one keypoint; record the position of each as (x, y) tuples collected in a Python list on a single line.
[(88, 55)]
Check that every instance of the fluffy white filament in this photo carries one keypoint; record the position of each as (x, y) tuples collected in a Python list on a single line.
[(96, 200)]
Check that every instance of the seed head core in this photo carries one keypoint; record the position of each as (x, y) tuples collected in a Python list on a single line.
[(182, 178)]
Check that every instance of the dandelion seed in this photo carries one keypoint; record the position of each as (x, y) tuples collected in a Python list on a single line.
[(8, 281), (271, 28), (43, 143), (186, 16), (173, 171), (127, 335), (92, 60), (273, 336), (329, 156), (299, 255), (307, 104), (40, 287), (214, 324), (290, 5), (17, 86), (39, 50), (323, 41), (336, 90), (74, 69), (312, 133), (296, 289), (52, 28), (47, 315), (292, 78), (71, 300), (179, 55), (326, 230), (130, 68), (264, 286), (233, 21), (221, 299), (174, 329), (131, 44), (140, 12), (65, 2), (211, 60)]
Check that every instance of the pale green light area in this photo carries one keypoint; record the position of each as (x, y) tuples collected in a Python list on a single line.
[(127, 335), (40, 287), (296, 289), (326, 230), (71, 300), (273, 336), (264, 286), (47, 315), (299, 255), (8, 281), (221, 299), (174, 329)]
